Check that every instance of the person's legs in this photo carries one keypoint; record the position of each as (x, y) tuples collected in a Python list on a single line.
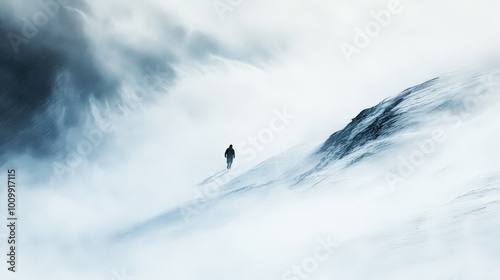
[(229, 163)]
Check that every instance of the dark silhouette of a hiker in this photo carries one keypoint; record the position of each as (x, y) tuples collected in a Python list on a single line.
[(229, 155)]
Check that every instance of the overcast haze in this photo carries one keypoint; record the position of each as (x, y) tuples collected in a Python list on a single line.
[(154, 91)]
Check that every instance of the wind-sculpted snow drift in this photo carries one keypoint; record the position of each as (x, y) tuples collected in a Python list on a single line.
[(398, 120), (439, 216)]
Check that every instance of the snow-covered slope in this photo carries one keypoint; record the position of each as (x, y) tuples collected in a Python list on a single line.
[(410, 189), (421, 113)]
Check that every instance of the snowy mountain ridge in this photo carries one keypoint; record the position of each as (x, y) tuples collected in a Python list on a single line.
[(410, 183), (399, 120)]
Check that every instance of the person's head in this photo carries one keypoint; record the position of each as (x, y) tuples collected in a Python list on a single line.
[(230, 146)]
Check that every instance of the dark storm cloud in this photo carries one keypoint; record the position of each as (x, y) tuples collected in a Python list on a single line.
[(48, 72), (34, 61)]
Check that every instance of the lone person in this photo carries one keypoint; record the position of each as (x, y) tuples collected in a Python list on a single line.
[(229, 155)]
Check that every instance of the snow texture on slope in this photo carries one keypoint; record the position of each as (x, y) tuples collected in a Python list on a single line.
[(383, 129)]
